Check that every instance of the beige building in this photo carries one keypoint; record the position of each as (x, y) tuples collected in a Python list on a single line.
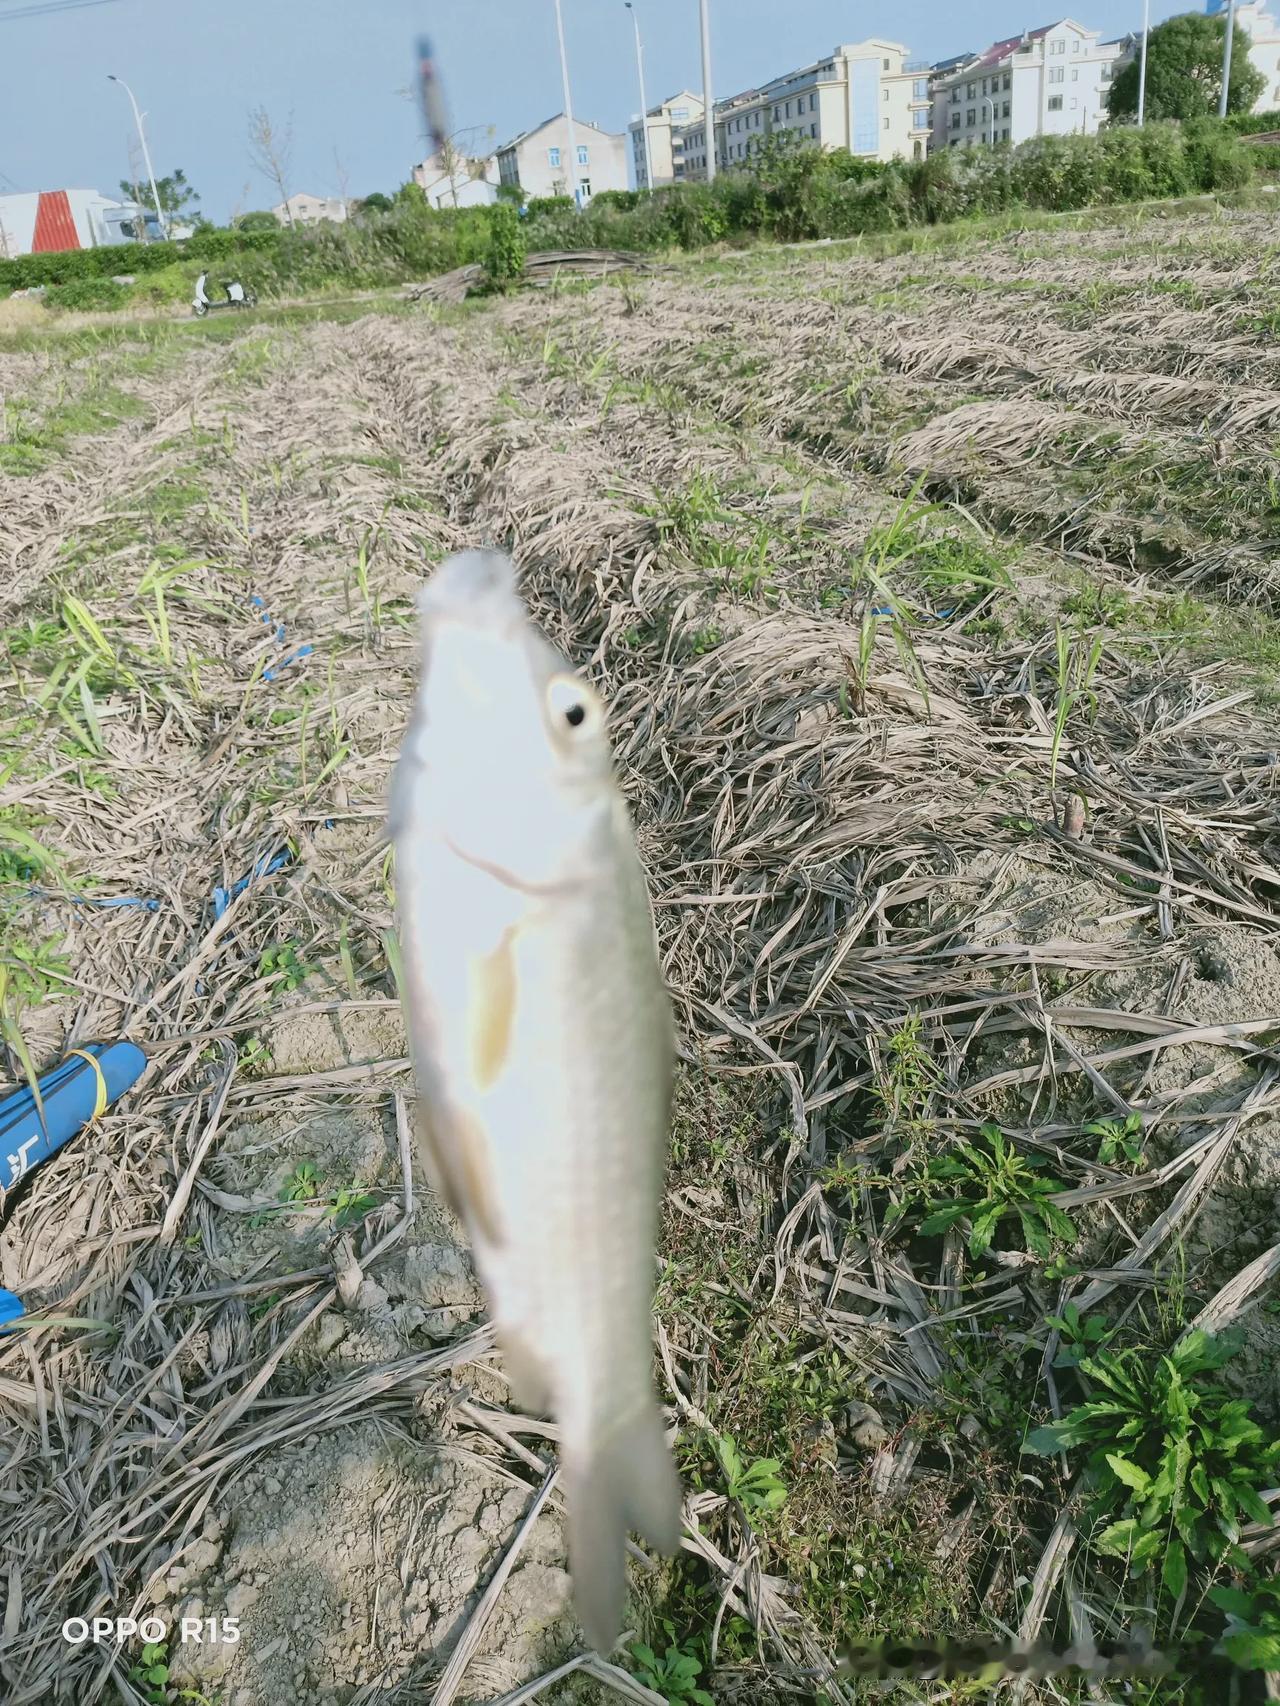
[(667, 123), (311, 210), (1050, 81), (867, 97), (459, 181), (538, 160)]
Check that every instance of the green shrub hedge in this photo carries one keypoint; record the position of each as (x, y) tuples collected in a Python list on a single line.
[(795, 195)]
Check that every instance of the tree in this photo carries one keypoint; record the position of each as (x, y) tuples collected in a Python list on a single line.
[(1184, 71), (258, 220), (271, 151), (375, 203), (177, 198)]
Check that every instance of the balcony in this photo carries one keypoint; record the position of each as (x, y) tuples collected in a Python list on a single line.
[(916, 65)]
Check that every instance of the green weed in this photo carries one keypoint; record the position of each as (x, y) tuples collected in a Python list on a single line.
[(1175, 1463), (992, 1184), (755, 1486), (674, 1675), (282, 962)]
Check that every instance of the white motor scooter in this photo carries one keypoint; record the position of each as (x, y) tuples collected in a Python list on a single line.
[(237, 297)]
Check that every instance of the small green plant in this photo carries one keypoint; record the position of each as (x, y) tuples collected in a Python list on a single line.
[(1117, 1140), (1173, 1459), (1252, 1636), (755, 1486), (993, 1183), (151, 1673), (504, 257), (674, 1675), (1074, 674), (1081, 1336), (303, 1183), (349, 1204), (282, 961)]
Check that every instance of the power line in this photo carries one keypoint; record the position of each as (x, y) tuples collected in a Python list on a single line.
[(9, 14)]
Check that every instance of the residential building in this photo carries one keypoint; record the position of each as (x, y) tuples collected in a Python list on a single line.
[(1264, 46), (1050, 81), (538, 159), (41, 221), (867, 97), (459, 182), (311, 210), (667, 123)]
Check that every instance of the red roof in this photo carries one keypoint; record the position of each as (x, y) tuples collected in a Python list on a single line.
[(1002, 49), (55, 228)]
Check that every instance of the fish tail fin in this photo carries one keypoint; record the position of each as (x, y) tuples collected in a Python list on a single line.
[(620, 1477)]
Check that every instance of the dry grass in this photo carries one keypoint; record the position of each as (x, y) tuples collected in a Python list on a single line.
[(833, 808)]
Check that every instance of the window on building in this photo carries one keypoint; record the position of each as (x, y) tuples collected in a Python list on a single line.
[(971, 90), (920, 89), (775, 115), (813, 131), (919, 121), (1056, 74), (679, 114), (586, 186), (969, 116), (955, 121), (1007, 76), (955, 96), (583, 159), (1075, 73), (553, 156), (1055, 103), (1075, 103), (1104, 74), (886, 94), (1004, 134), (788, 113), (1004, 110), (886, 124), (886, 64), (1075, 46)]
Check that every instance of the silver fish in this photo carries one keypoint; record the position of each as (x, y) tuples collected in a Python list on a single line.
[(541, 1036)]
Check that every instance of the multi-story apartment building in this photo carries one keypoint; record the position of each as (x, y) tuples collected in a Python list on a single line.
[(538, 159), (667, 123), (1049, 81), (868, 98), (1264, 46)]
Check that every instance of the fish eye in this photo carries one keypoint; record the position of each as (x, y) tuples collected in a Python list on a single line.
[(572, 705)]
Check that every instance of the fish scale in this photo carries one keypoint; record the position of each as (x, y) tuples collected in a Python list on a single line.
[(541, 1036)]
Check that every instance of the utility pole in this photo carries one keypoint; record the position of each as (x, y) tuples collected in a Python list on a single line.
[(709, 109), (1142, 63), (644, 111), (568, 110), (1226, 59), (146, 154)]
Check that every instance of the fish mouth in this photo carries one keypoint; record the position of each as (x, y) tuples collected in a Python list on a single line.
[(507, 878)]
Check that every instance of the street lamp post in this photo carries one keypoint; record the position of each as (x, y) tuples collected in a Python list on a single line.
[(1142, 62), (708, 104), (146, 153), (568, 110), (644, 111), (988, 102), (1226, 59)]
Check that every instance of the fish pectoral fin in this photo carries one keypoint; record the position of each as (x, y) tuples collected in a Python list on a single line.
[(620, 1476), (491, 1006), (456, 1155)]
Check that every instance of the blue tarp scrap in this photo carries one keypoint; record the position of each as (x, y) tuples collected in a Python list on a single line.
[(269, 863)]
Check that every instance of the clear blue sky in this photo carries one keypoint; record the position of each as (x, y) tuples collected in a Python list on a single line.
[(198, 66)]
